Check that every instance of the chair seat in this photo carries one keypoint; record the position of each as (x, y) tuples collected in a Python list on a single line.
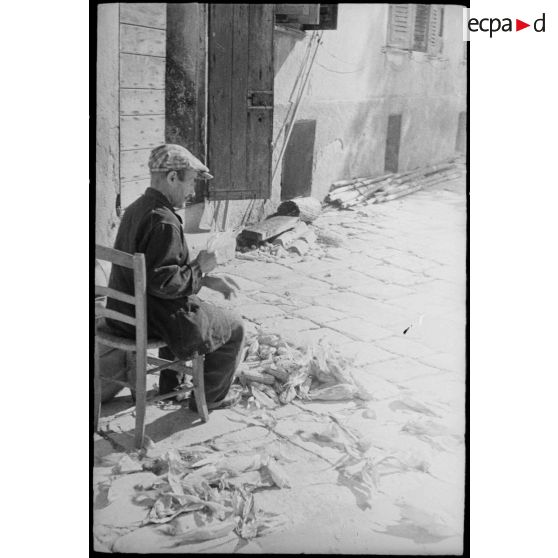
[(107, 337)]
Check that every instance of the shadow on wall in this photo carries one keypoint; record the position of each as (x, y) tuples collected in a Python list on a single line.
[(285, 41)]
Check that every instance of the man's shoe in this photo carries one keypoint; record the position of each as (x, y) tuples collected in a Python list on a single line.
[(169, 381), (231, 399)]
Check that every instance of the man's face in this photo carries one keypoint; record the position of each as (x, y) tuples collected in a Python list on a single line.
[(181, 189)]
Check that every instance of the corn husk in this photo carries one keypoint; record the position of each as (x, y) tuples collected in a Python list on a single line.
[(270, 392), (272, 340), (337, 392), (215, 530), (266, 352), (278, 475), (287, 395), (263, 398), (255, 376), (239, 464), (253, 348), (304, 388), (280, 373)]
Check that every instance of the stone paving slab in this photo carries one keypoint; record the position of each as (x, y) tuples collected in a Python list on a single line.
[(312, 337), (421, 304), (403, 346), (343, 278), (380, 291), (398, 276), (403, 368), (453, 362), (359, 329), (319, 314), (259, 311), (357, 305), (283, 325), (366, 353)]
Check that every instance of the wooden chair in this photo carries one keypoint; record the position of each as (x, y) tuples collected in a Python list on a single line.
[(137, 348)]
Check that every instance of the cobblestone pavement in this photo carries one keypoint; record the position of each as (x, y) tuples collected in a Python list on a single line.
[(392, 296)]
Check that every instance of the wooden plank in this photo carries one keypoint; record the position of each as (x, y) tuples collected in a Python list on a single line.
[(139, 71), (239, 87), (219, 101), (142, 101), (142, 40), (133, 164), (140, 285), (137, 132), (155, 364), (131, 191), (114, 256), (112, 293), (260, 78), (101, 312), (269, 228), (149, 14)]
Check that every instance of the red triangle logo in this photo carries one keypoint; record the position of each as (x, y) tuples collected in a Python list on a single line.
[(519, 25)]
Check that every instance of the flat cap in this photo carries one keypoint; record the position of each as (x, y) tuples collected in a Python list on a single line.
[(170, 156)]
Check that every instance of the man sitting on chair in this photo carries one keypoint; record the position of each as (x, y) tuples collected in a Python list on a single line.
[(174, 313)]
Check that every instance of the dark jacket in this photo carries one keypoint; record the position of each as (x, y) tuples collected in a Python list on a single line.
[(151, 226)]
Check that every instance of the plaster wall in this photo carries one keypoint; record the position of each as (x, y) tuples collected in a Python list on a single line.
[(354, 85)]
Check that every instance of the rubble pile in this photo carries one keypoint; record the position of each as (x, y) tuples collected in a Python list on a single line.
[(277, 373), (292, 244), (369, 190)]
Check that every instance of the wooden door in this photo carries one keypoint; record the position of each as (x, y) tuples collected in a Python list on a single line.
[(240, 100)]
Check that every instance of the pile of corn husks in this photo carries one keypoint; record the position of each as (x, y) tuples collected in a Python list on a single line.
[(200, 494), (277, 373), (268, 252)]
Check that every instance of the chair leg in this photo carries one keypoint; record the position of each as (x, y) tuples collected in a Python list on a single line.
[(199, 386), (97, 389), (131, 374), (141, 366)]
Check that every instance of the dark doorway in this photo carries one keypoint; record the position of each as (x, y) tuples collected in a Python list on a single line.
[(296, 178), (393, 139), (461, 139)]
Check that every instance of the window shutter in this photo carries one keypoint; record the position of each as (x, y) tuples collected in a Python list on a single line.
[(400, 25), (435, 30), (302, 14), (420, 32)]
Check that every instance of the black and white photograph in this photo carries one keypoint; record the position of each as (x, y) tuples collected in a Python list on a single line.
[(280, 278)]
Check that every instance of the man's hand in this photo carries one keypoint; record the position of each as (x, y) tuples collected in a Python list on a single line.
[(224, 285), (207, 261)]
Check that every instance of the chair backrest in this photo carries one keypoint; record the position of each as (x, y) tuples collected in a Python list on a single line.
[(136, 262)]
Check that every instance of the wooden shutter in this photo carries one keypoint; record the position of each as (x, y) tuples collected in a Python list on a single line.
[(142, 93), (436, 29), (298, 13), (400, 25), (420, 31), (240, 100)]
